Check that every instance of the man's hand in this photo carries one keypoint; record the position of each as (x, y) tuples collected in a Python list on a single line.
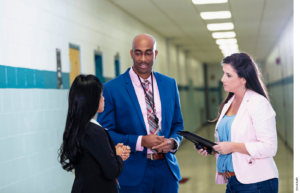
[(149, 141), (165, 147)]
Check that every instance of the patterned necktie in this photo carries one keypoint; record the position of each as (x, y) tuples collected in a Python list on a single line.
[(150, 113)]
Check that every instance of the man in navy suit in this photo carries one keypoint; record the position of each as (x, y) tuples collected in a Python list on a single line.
[(142, 110)]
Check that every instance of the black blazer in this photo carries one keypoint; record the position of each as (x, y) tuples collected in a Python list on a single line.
[(99, 165)]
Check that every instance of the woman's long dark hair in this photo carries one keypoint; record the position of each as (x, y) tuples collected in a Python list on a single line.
[(245, 67), (84, 98)]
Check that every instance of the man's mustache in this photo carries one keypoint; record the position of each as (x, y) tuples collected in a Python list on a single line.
[(141, 63)]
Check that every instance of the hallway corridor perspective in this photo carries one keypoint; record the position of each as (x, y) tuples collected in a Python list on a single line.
[(201, 170)]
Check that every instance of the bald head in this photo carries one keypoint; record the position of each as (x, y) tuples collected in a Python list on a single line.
[(143, 54), (143, 38)]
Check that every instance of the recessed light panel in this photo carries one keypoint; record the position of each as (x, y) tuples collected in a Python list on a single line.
[(215, 15), (226, 41), (230, 46), (230, 51), (225, 54), (218, 35), (220, 26), (209, 1)]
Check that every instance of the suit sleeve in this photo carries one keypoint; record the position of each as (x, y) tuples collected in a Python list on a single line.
[(108, 120), (177, 121), (97, 143), (263, 118)]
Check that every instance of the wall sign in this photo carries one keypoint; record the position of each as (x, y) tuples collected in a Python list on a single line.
[(58, 69)]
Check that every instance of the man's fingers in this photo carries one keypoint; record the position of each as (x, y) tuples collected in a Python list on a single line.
[(161, 138), (158, 146)]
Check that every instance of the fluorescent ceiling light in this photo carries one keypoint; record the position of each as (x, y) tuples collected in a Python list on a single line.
[(220, 26), (226, 41), (230, 46), (217, 35), (209, 1), (229, 52), (216, 15), (225, 54)]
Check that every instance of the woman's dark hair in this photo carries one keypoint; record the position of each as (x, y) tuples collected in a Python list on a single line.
[(245, 67), (84, 98)]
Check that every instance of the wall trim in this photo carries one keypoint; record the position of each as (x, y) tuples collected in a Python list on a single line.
[(287, 80), (26, 78)]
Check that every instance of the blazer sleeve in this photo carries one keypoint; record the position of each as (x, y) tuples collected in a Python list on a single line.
[(108, 120), (177, 121), (263, 119), (97, 143)]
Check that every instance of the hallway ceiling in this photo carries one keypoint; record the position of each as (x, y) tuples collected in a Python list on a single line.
[(257, 24)]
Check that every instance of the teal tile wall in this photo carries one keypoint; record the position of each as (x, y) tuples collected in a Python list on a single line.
[(14, 77), (32, 125)]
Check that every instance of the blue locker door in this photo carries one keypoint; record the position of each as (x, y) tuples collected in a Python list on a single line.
[(99, 69), (117, 67)]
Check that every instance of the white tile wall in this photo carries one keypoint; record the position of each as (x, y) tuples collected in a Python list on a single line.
[(30, 135)]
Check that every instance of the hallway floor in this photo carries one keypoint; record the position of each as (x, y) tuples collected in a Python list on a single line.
[(201, 170)]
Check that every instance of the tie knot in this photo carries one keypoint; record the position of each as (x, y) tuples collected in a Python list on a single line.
[(146, 82)]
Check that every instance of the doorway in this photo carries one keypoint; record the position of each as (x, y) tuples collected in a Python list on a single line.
[(74, 53)]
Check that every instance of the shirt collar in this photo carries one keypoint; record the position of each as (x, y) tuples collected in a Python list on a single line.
[(134, 78), (95, 122)]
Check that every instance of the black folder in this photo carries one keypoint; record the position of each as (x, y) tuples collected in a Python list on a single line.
[(200, 142)]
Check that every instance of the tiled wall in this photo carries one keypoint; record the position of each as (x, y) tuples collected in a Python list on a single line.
[(15, 77), (279, 75), (32, 123)]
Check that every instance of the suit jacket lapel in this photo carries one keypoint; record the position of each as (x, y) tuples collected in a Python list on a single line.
[(161, 89), (133, 97), (240, 113)]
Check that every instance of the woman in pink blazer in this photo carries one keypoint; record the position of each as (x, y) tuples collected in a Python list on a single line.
[(245, 131)]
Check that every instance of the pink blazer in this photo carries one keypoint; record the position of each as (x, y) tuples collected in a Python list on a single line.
[(255, 126)]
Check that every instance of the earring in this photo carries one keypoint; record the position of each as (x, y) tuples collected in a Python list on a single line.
[(243, 88)]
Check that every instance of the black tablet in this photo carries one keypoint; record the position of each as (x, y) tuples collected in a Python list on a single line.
[(200, 142)]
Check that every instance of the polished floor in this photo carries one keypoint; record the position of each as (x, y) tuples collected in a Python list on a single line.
[(201, 170)]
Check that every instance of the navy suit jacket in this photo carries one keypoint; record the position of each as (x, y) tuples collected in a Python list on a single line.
[(123, 118)]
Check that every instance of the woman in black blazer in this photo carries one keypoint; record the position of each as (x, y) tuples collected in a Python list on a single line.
[(87, 147)]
